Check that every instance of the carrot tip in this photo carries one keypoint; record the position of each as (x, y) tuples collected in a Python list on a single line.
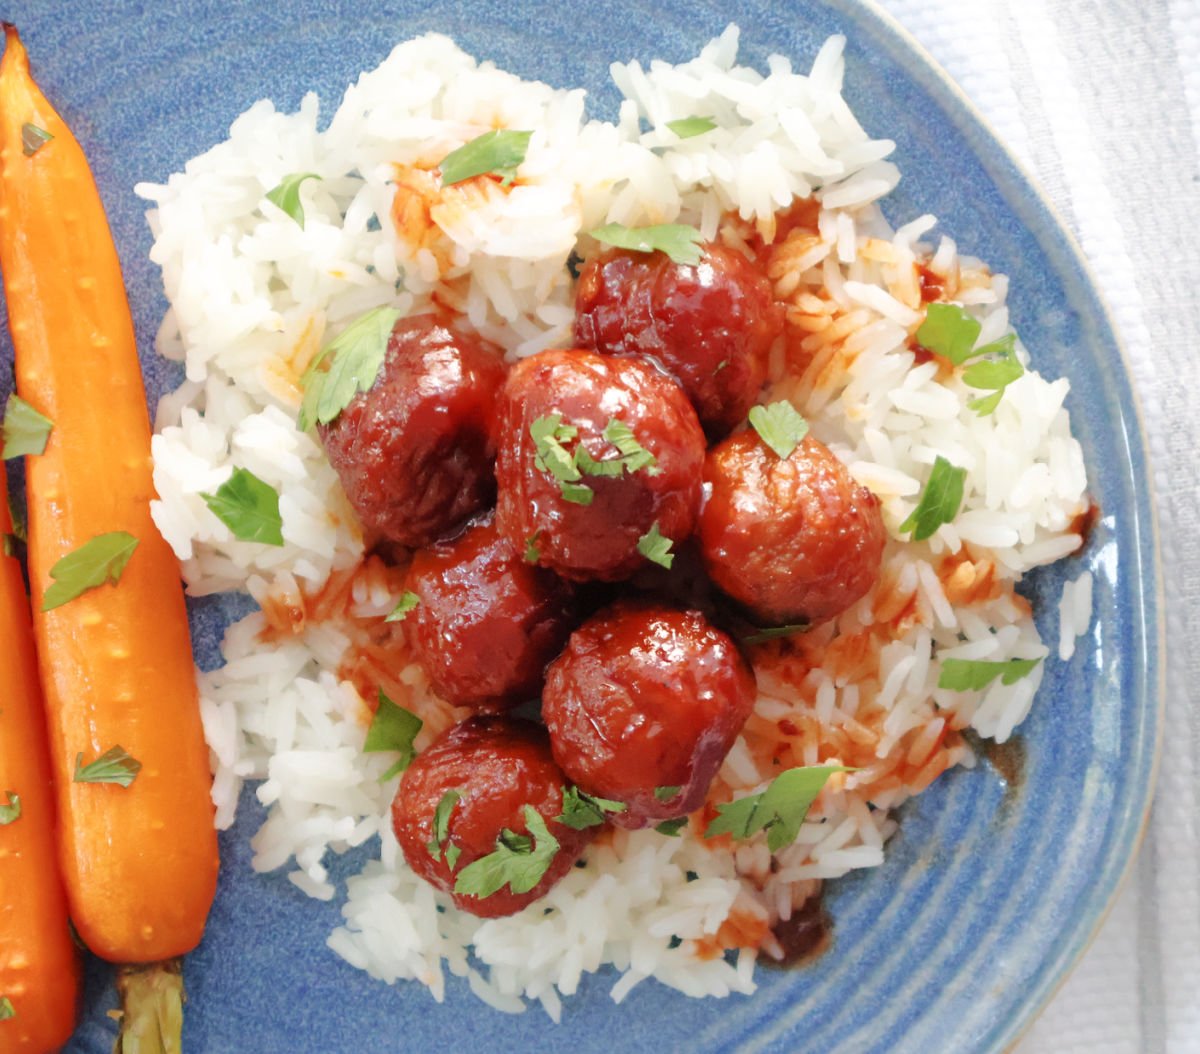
[(152, 999)]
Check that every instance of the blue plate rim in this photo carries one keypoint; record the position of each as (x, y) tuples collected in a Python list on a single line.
[(1134, 820)]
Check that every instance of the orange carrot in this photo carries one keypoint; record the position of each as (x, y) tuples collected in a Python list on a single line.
[(140, 861), (39, 969)]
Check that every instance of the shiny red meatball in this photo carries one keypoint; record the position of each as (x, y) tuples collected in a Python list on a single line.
[(793, 540), (596, 535), (487, 622), (498, 766), (710, 326), (416, 452), (643, 706)]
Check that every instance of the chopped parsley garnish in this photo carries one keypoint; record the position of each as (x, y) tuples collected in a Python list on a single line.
[(779, 810), (532, 552), (518, 861), (93, 564), (549, 434), (634, 456), (672, 828), (656, 547), (355, 357), (25, 431), (115, 765), (581, 810), (666, 793), (392, 729), (498, 153), (286, 196), (973, 675), (773, 632), (940, 500), (679, 242), (550, 455), (687, 127), (11, 811), (993, 375), (33, 138), (948, 331), (779, 426), (408, 602), (248, 507), (7, 1013), (441, 823)]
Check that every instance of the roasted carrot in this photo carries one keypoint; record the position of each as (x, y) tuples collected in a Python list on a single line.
[(139, 861), (39, 967)]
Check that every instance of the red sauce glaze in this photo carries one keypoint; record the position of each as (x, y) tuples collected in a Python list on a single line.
[(487, 622), (710, 326), (793, 540), (933, 285), (599, 540), (498, 765), (646, 697), (415, 453)]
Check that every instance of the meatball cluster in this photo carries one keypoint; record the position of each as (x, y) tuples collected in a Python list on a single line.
[(523, 497)]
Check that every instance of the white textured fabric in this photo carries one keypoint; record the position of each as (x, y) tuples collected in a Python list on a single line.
[(1101, 101)]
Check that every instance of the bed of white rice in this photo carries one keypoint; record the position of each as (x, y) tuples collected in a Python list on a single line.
[(253, 295)]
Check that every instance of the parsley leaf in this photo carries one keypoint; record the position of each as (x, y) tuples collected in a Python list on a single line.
[(113, 766), (656, 547), (248, 507), (7, 1013), (581, 810), (356, 356), (549, 434), (771, 632), (948, 331), (25, 431), (441, 823), (94, 563), (779, 426), (408, 602), (33, 138), (973, 675), (517, 861), (993, 375), (286, 196), (550, 455), (634, 456), (679, 242), (11, 811), (498, 152), (666, 793), (779, 810), (392, 729), (672, 828), (940, 500), (687, 127), (532, 553)]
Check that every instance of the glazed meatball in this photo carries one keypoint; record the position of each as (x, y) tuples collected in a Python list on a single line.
[(643, 706), (497, 766), (710, 326), (487, 622), (416, 452), (583, 513), (792, 539)]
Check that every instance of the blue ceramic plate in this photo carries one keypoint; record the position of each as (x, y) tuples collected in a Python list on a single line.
[(990, 891)]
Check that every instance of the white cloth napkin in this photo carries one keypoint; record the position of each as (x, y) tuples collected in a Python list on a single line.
[(1100, 99)]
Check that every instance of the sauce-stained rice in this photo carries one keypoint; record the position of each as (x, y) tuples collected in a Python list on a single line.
[(787, 177)]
